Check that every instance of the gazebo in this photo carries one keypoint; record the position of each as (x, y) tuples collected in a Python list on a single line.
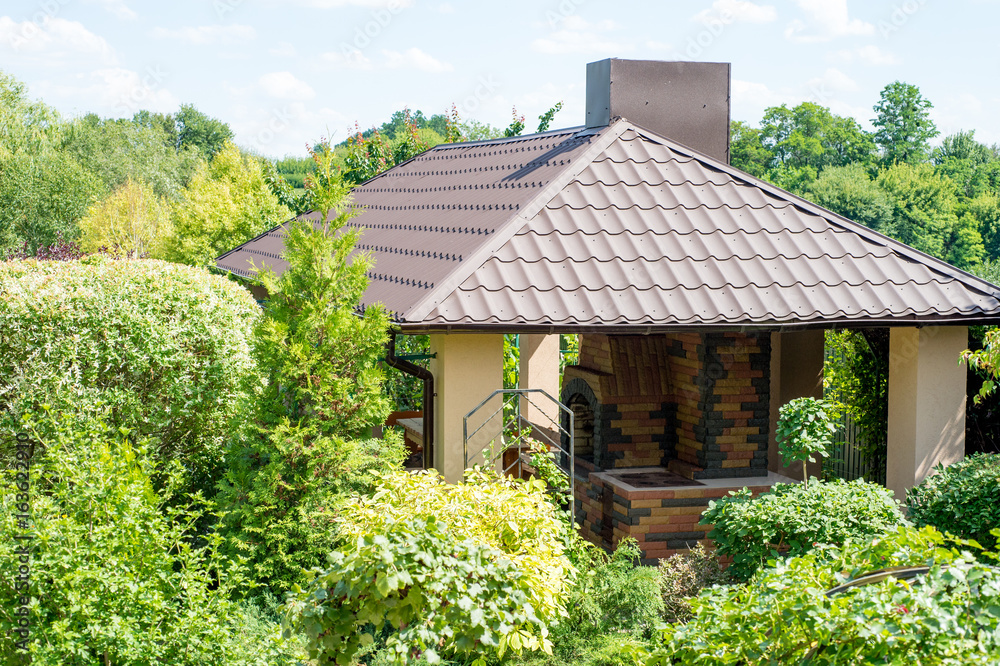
[(701, 295)]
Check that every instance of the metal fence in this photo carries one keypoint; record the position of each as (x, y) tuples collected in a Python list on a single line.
[(851, 457)]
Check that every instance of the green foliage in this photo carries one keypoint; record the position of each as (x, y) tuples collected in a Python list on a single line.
[(132, 220), (805, 428), (115, 577), (903, 126), (986, 361), (960, 499), (226, 203), (856, 375), (946, 617), (685, 575), (460, 569), (545, 120), (747, 150), (165, 347), (810, 136), (311, 443), (116, 151), (25, 126), (199, 132), (406, 392), (849, 191), (516, 124), (615, 595), (611, 649), (42, 196), (792, 518)]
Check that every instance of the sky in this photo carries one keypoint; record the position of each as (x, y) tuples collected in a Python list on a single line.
[(284, 73)]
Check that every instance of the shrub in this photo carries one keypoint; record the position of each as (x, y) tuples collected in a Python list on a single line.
[(948, 616), (132, 220), (466, 569), (615, 595), (791, 518), (114, 576), (684, 575), (960, 498), (310, 446), (166, 348), (805, 428)]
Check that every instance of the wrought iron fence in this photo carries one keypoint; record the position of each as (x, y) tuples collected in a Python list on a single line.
[(851, 456)]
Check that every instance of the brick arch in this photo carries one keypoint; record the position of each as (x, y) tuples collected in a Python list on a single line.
[(578, 387)]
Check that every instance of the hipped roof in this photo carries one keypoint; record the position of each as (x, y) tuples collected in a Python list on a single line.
[(618, 229)]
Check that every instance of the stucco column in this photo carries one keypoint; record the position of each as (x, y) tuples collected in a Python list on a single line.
[(796, 372), (539, 369), (927, 390), (467, 369)]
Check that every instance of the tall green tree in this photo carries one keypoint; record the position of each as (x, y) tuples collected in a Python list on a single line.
[(197, 130), (25, 125), (809, 135), (849, 191), (227, 203), (747, 150), (903, 126)]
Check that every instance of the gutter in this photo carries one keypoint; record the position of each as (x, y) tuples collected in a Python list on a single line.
[(424, 374)]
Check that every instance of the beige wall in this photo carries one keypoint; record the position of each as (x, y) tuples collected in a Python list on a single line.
[(539, 369), (468, 367), (927, 389), (796, 372)]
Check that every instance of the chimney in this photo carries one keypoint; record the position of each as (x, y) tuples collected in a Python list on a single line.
[(687, 102)]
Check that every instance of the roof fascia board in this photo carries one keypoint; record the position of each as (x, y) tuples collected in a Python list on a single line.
[(871, 235), (461, 273)]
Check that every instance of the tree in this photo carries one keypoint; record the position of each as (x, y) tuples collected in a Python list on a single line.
[(809, 135), (205, 134), (132, 220), (963, 146), (747, 150), (118, 150), (903, 126), (24, 125), (42, 196), (848, 191), (226, 203), (923, 206), (311, 446)]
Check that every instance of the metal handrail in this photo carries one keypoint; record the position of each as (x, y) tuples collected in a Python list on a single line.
[(518, 423)]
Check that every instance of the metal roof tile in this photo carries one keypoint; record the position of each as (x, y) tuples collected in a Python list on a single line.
[(619, 227)]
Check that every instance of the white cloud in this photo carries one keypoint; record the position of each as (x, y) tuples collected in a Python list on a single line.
[(54, 40), (114, 91), (828, 19), (737, 11), (577, 35), (285, 85), (869, 55), (209, 34), (283, 50), (833, 81), (348, 58)]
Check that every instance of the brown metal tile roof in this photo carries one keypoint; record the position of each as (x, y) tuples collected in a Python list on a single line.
[(621, 228)]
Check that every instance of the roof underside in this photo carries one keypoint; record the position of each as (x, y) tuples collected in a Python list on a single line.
[(620, 229)]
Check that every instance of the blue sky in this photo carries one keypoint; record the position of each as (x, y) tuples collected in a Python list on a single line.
[(283, 73)]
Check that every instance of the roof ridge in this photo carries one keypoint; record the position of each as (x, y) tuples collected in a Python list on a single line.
[(807, 206), (477, 258)]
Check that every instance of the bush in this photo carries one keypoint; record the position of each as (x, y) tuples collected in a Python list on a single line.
[(311, 444), (114, 576), (948, 616), (468, 569), (684, 575), (165, 347), (615, 595), (791, 518), (960, 499)]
